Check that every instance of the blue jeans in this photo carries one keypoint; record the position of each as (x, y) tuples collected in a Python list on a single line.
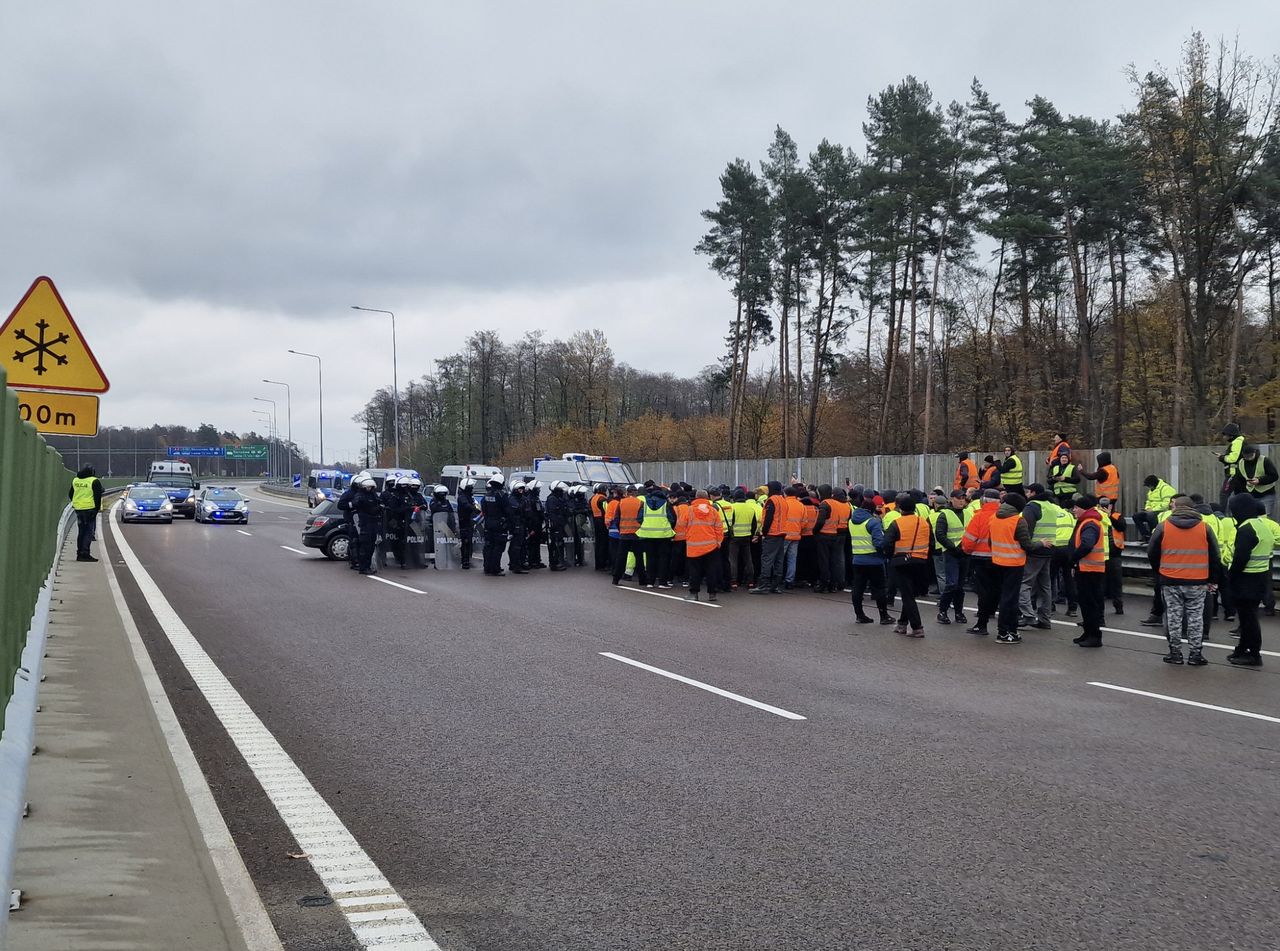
[(791, 550)]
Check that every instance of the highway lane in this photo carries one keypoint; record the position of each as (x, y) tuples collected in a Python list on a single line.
[(520, 789)]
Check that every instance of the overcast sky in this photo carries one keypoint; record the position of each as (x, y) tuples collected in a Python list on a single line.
[(212, 185)]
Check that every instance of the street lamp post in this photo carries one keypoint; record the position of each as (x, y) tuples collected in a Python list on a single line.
[(288, 402), (274, 429), (266, 417), (320, 374), (395, 376)]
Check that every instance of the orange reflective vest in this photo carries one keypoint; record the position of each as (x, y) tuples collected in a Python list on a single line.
[(838, 517), (610, 510), (967, 475), (682, 521), (792, 517), (705, 528), (778, 525), (977, 534), (808, 519), (1184, 552), (913, 537), (1096, 560), (1109, 484), (597, 505), (1005, 548), (629, 515), (989, 472)]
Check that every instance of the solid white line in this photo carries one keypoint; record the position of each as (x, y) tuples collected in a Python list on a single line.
[(285, 789), (243, 532), (250, 914), (659, 594), (701, 686), (395, 584), (283, 518), (1189, 703), (296, 551)]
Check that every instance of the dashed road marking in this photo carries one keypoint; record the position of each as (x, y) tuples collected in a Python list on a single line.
[(778, 711), (659, 594), (296, 551), (1189, 703), (243, 532), (396, 584), (342, 864)]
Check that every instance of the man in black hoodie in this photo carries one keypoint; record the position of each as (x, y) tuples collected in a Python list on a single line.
[(85, 496)]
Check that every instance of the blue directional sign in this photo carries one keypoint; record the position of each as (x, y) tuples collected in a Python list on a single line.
[(196, 451)]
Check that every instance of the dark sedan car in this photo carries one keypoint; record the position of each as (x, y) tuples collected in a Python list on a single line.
[(326, 530)]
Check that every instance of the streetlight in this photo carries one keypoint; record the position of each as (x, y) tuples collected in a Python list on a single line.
[(320, 372), (274, 429), (395, 375), (267, 419), (288, 402)]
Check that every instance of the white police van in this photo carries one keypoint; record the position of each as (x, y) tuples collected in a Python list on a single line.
[(580, 467)]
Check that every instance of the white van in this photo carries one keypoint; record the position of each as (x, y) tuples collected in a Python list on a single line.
[(580, 467), (170, 468), (450, 476), (380, 476)]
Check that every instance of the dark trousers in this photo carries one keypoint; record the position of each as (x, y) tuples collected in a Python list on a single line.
[(494, 543), (1250, 628), (677, 564), (869, 576), (555, 546), (1146, 522), (466, 542), (366, 541), (756, 547), (84, 529), (1017, 487), (830, 552), (1007, 581), (705, 566), (912, 579), (657, 559), (629, 545), (353, 545), (953, 588), (773, 562), (807, 560), (518, 549), (984, 578), (1091, 588), (603, 561), (1064, 577), (741, 570), (1115, 579)]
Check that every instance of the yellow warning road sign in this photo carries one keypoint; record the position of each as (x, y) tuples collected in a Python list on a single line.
[(59, 414), (41, 346)]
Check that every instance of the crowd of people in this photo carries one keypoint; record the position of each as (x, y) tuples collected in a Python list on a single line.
[(1020, 548)]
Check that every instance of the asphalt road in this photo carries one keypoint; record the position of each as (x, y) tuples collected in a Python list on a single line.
[(522, 790)]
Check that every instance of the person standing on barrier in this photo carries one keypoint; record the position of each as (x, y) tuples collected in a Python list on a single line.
[(1230, 459), (467, 512), (1257, 476), (557, 508), (496, 509), (85, 496), (368, 513)]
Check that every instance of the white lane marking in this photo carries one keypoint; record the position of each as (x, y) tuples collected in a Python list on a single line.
[(701, 686), (395, 584), (283, 518), (1189, 703), (243, 532), (1146, 634), (250, 914), (296, 551), (659, 594), (284, 783)]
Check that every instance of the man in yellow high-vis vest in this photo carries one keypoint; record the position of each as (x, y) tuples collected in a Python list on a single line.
[(86, 498)]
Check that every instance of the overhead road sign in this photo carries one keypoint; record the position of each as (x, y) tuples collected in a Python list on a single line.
[(246, 452), (59, 414), (176, 451), (42, 348)]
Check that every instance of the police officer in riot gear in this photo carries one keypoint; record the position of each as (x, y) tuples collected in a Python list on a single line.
[(518, 525), (536, 521), (557, 509), (496, 508), (579, 520), (467, 512), (368, 514), (345, 503), (397, 509), (439, 504)]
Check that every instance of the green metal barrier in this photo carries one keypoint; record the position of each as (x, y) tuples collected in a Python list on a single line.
[(33, 494)]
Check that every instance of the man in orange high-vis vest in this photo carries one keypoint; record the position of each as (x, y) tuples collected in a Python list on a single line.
[(600, 524), (1183, 551), (976, 543), (626, 521), (966, 473), (703, 538), (773, 554), (1010, 542), (1089, 555), (830, 532)]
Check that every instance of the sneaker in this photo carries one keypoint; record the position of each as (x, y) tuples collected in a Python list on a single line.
[(1089, 641), (1077, 640), (616, 581), (1025, 620), (1006, 637), (1073, 612), (901, 629), (691, 596), (863, 619), (1042, 626), (1248, 660), (650, 585), (1118, 606), (1196, 659), (760, 591), (961, 618), (942, 618), (1152, 621), (916, 632), (1173, 657), (979, 629), (666, 584), (711, 597), (885, 619)]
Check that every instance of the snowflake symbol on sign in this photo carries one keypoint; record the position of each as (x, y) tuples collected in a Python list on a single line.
[(41, 348)]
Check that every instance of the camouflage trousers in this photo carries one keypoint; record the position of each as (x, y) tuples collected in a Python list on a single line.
[(1184, 608)]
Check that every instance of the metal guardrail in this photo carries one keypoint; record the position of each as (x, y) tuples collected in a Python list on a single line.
[(33, 495)]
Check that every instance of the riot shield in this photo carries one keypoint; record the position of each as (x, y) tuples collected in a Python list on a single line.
[(448, 551), (580, 546), (415, 544)]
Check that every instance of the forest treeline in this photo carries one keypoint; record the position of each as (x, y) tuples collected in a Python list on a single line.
[(965, 278)]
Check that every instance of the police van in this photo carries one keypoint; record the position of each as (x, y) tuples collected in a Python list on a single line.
[(580, 467), (381, 476), (450, 476)]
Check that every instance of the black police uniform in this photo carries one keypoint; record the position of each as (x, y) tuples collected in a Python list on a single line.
[(345, 501), (368, 513), (496, 508), (397, 509), (467, 512), (518, 526), (557, 509)]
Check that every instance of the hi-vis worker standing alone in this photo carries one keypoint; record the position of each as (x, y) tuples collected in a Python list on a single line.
[(86, 498)]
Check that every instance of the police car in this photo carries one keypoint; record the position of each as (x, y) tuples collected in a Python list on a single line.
[(146, 502), (221, 503)]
